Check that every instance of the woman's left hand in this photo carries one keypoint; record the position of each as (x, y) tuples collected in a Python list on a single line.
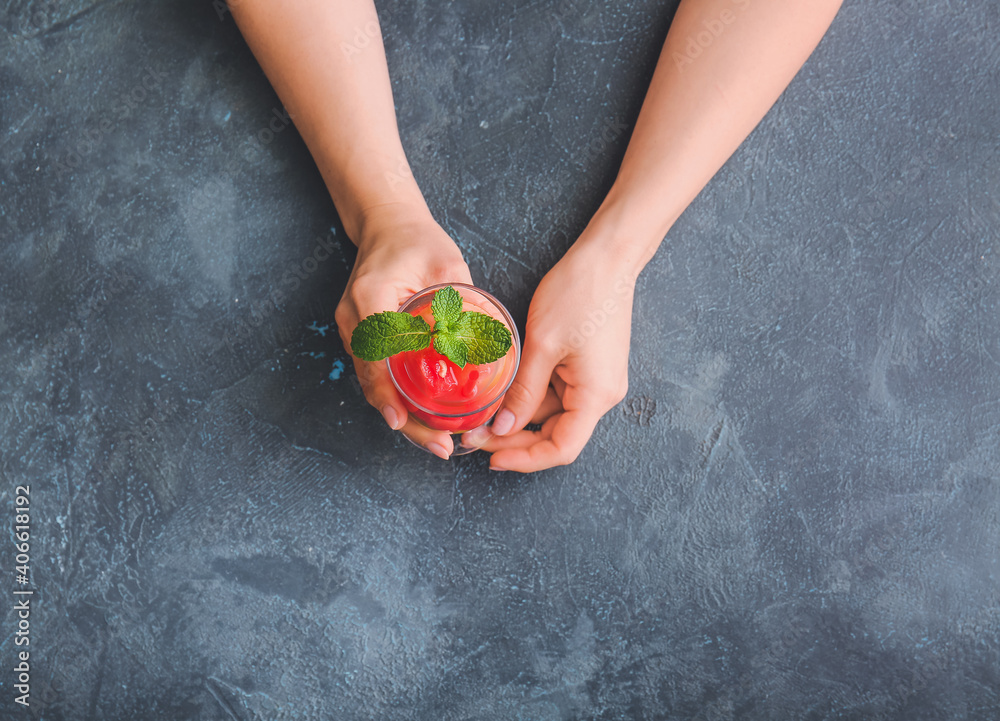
[(574, 365)]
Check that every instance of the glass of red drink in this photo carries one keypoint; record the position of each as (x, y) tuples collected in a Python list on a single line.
[(437, 393)]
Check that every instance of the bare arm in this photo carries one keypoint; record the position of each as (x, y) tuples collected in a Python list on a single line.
[(723, 64), (326, 61)]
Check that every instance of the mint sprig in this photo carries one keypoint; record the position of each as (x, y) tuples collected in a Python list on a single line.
[(461, 336), (384, 334), (447, 308)]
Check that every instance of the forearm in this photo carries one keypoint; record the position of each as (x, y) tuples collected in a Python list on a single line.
[(723, 65), (326, 61)]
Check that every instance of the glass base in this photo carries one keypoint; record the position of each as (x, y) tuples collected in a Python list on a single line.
[(456, 439)]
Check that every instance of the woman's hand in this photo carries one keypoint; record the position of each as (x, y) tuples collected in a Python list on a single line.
[(698, 109), (343, 107), (574, 365), (399, 253)]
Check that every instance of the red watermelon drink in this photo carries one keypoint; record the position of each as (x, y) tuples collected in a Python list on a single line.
[(451, 350), (441, 394)]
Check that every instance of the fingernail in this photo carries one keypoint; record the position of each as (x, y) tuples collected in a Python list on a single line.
[(438, 450), (476, 437), (497, 468), (391, 417), (503, 422)]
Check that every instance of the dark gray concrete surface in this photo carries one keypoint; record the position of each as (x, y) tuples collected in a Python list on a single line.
[(794, 515)]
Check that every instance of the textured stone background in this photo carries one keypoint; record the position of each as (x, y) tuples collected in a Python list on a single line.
[(795, 514)]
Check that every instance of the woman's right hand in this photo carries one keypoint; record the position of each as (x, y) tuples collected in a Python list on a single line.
[(400, 251)]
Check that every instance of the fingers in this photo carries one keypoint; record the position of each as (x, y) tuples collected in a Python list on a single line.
[(381, 393), (481, 437), (396, 261), (528, 391), (437, 442), (559, 442), (550, 405)]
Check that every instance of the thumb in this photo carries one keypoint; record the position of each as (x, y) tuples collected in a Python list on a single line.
[(527, 391)]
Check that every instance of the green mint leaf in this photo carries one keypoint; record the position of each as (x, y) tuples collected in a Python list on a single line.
[(452, 348), (385, 334), (462, 337), (486, 338), (447, 308)]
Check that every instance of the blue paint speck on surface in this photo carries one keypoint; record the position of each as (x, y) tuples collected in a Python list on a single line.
[(338, 370), (321, 329)]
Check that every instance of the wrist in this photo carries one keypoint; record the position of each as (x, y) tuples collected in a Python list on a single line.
[(378, 189), (408, 237), (621, 237), (395, 219)]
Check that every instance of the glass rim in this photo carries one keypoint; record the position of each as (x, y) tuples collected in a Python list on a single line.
[(515, 345)]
